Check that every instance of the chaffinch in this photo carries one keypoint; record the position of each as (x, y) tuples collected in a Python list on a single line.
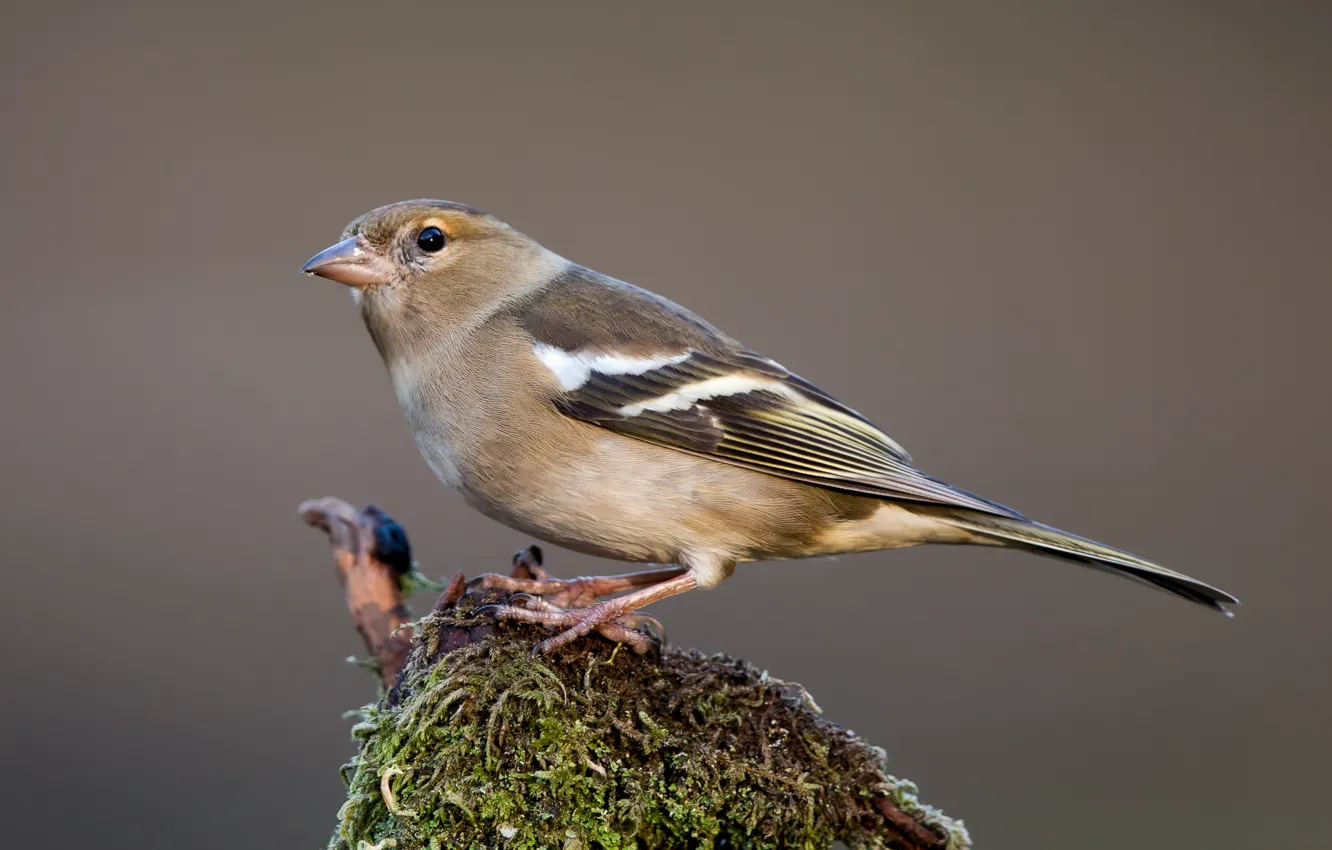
[(607, 419)]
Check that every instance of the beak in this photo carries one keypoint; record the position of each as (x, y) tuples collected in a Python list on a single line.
[(349, 262)]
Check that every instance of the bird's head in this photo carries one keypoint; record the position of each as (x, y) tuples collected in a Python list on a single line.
[(421, 267)]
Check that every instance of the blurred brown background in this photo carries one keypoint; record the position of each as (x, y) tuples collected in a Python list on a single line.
[(1075, 260)]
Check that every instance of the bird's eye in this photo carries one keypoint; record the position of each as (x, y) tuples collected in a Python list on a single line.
[(431, 240)]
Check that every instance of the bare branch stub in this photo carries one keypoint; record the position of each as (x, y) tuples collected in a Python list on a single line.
[(374, 595)]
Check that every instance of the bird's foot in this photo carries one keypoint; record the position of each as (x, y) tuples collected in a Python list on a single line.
[(614, 618), (630, 628)]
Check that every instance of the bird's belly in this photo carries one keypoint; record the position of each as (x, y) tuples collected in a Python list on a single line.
[(618, 497), (602, 509)]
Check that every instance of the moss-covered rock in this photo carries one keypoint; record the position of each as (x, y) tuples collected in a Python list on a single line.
[(481, 745)]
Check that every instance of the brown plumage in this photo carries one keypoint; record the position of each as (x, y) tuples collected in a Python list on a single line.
[(605, 418)]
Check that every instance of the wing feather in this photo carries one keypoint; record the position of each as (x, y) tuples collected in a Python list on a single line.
[(779, 428), (695, 390)]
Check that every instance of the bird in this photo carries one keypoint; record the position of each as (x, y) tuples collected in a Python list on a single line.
[(607, 419)]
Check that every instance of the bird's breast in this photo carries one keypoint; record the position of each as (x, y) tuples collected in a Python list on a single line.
[(441, 458), (435, 426)]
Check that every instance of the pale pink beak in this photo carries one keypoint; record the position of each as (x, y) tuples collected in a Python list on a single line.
[(350, 262)]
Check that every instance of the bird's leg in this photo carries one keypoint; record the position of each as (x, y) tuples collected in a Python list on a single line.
[(577, 622), (575, 592)]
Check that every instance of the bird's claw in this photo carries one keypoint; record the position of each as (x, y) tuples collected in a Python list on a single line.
[(645, 624)]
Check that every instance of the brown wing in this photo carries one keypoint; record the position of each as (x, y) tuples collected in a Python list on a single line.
[(649, 369)]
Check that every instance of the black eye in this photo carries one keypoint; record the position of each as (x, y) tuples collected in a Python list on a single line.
[(431, 240)]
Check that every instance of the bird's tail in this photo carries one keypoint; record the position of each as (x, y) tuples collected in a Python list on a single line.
[(1025, 534)]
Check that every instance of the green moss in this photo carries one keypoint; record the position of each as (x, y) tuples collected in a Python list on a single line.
[(480, 745)]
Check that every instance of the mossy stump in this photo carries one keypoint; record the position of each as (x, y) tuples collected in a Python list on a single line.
[(481, 745)]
